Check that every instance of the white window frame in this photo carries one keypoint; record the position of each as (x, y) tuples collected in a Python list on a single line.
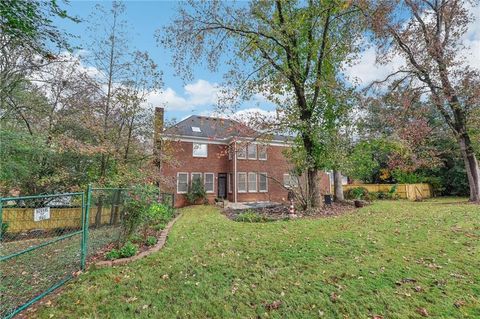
[(242, 147), (178, 182), (195, 173), (266, 182), (290, 179), (265, 148), (193, 150), (229, 153), (251, 190), (248, 151), (238, 182), (230, 182), (205, 182)]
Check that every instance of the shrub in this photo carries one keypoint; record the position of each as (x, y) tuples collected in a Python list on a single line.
[(159, 226), (357, 193), (159, 213), (4, 228), (112, 254), (249, 216), (128, 250), (151, 240), (196, 191)]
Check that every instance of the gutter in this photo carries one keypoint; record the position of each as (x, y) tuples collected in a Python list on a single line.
[(235, 171)]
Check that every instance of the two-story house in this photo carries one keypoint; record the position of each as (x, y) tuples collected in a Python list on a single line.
[(233, 161)]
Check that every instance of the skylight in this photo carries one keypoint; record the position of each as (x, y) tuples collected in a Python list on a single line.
[(196, 129)]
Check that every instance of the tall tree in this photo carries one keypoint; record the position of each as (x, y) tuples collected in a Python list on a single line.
[(428, 34), (293, 48)]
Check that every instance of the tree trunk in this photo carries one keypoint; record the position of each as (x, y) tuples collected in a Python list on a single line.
[(471, 166), (337, 186), (313, 193)]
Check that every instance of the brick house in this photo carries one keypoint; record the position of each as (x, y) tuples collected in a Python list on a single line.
[(234, 162)]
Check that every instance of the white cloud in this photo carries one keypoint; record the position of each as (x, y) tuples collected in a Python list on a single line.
[(197, 94), (471, 39), (366, 70)]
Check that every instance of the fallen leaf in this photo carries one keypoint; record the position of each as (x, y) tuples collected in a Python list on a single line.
[(423, 312), (274, 305), (459, 303), (377, 317), (334, 297)]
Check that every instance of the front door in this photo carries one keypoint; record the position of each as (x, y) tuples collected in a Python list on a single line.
[(222, 185)]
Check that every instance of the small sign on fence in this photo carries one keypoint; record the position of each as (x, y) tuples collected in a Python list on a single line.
[(41, 214)]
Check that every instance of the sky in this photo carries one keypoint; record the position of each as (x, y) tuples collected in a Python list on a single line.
[(199, 96)]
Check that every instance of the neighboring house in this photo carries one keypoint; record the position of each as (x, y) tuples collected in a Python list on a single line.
[(233, 161)]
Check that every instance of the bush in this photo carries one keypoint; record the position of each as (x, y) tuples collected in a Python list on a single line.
[(196, 191), (159, 213), (159, 226), (4, 228), (112, 254), (151, 240), (128, 250), (358, 193), (249, 217)]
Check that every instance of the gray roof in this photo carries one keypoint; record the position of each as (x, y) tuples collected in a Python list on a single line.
[(217, 128)]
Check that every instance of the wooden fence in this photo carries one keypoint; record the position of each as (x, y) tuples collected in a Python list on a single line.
[(21, 219), (405, 191)]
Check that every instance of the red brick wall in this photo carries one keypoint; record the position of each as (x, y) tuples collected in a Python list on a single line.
[(217, 162)]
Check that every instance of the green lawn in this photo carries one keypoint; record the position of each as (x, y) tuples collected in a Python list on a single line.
[(388, 259)]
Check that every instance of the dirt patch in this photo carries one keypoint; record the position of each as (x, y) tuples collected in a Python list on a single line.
[(282, 212)]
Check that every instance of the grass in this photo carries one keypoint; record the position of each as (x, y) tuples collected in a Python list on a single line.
[(390, 259), (29, 274)]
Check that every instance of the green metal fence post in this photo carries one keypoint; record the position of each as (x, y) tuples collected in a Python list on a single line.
[(86, 224), (82, 244), (1, 219)]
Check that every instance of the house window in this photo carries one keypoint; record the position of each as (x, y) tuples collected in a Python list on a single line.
[(182, 183), (252, 151), (262, 152), (262, 182), (242, 182), (290, 181), (196, 176), (209, 182), (252, 182), (229, 153), (230, 182), (242, 152), (196, 129), (200, 150)]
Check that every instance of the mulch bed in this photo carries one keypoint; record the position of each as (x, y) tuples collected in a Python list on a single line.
[(281, 212)]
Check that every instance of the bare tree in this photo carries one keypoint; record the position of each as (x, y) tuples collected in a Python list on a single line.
[(428, 34)]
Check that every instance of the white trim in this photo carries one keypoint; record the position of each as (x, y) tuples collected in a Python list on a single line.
[(256, 183), (235, 173), (246, 152), (191, 175), (230, 182), (256, 151), (221, 141), (178, 174), (246, 182), (266, 182), (193, 150), (205, 181)]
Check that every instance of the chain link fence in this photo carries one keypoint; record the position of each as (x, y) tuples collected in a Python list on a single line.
[(46, 239)]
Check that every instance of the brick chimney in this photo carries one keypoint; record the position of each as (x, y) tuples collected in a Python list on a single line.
[(158, 129)]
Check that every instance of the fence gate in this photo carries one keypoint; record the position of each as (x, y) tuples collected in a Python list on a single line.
[(42, 244)]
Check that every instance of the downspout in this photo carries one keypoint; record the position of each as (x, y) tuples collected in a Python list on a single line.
[(235, 170)]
